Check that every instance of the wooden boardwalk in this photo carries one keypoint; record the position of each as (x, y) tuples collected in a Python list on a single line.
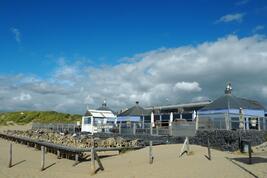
[(62, 150)]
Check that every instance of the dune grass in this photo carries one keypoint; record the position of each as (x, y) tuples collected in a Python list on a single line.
[(24, 117)]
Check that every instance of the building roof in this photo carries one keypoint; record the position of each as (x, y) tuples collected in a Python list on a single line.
[(136, 110), (193, 104), (100, 114), (229, 101)]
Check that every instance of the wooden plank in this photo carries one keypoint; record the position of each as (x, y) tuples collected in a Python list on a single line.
[(58, 154), (249, 153), (42, 158), (37, 144), (99, 162), (185, 147), (76, 159), (150, 152), (10, 156), (209, 155), (92, 157)]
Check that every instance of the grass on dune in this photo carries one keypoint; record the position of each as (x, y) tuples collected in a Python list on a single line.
[(24, 117)]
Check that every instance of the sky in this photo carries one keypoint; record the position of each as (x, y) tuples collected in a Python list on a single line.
[(70, 55)]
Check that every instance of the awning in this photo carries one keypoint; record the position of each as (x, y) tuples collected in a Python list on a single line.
[(101, 114), (246, 112), (129, 118)]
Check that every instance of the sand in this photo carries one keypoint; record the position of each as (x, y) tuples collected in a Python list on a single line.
[(15, 126), (133, 164)]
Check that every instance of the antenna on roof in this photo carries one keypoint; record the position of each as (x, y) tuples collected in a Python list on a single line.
[(228, 89), (104, 103)]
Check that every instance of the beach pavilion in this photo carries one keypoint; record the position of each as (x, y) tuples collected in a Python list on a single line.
[(231, 112), (133, 114)]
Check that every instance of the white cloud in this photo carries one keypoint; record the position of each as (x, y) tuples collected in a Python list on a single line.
[(200, 98), (23, 97), (17, 34), (182, 74), (238, 17), (264, 91), (242, 2), (257, 28), (187, 86)]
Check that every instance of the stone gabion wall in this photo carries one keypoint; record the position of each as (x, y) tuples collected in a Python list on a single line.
[(225, 140), (228, 140)]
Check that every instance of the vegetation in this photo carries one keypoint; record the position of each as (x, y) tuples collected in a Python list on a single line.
[(25, 117)]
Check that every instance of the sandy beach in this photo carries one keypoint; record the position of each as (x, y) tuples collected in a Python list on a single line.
[(133, 164)]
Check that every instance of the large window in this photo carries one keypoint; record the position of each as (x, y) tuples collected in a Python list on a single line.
[(87, 120)]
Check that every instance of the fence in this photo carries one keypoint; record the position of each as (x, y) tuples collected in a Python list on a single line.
[(185, 128), (56, 127), (175, 129), (221, 124)]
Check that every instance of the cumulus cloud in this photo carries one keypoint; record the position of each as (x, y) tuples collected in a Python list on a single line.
[(238, 17), (158, 77), (23, 97), (17, 34), (257, 28), (187, 86)]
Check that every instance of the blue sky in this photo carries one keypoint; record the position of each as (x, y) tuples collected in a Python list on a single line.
[(61, 44), (106, 31)]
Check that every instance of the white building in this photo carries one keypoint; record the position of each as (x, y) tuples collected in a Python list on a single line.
[(98, 121)]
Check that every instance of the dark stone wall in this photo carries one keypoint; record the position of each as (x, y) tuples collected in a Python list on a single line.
[(225, 140), (228, 140)]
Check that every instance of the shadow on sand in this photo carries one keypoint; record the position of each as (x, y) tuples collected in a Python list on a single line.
[(240, 166), (49, 166), (17, 163), (254, 160)]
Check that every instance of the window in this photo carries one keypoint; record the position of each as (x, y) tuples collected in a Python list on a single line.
[(235, 123), (219, 123), (87, 120)]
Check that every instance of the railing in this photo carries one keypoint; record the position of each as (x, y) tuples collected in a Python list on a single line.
[(56, 127), (185, 128), (233, 124), (175, 129)]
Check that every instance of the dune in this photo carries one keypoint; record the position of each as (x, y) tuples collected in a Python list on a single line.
[(14, 126)]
